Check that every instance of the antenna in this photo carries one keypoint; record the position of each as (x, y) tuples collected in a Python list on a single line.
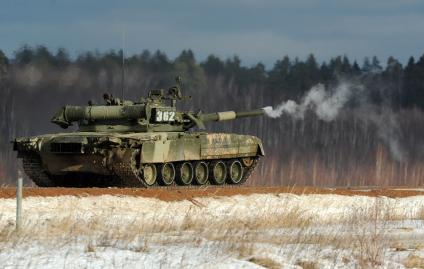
[(123, 66)]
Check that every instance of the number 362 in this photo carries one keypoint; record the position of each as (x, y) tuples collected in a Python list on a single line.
[(165, 116)]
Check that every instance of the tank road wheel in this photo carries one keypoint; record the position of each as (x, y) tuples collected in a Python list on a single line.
[(184, 173), (235, 172), (149, 174), (201, 173), (167, 174), (218, 172)]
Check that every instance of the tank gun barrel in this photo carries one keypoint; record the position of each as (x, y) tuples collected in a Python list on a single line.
[(231, 115)]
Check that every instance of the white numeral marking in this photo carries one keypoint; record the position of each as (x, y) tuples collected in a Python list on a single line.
[(165, 116), (159, 116), (171, 116)]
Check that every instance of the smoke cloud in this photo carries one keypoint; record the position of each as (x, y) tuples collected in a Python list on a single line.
[(327, 103)]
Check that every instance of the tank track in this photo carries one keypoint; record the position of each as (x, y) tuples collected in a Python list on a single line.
[(31, 163), (126, 175)]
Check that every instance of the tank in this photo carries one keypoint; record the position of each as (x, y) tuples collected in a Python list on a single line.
[(148, 143)]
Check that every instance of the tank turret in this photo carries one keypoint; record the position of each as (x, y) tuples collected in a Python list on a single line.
[(149, 115), (139, 144)]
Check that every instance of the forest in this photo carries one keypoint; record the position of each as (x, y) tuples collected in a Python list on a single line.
[(376, 139)]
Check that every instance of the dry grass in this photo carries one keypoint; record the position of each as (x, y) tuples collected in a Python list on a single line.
[(368, 242), (414, 261), (307, 264), (370, 249), (265, 218), (235, 229), (361, 237), (266, 263), (100, 231), (367, 245), (421, 213)]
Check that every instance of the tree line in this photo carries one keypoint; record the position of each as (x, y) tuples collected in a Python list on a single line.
[(36, 81)]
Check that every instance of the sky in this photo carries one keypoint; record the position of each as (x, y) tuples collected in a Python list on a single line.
[(257, 31)]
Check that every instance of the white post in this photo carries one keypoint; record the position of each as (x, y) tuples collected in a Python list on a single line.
[(19, 202)]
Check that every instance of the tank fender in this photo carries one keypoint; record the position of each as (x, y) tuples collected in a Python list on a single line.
[(27, 144), (185, 147), (260, 151)]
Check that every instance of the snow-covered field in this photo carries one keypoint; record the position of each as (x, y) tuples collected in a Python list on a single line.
[(255, 231)]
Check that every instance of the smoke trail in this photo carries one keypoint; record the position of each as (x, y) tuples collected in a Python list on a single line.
[(328, 103), (325, 103)]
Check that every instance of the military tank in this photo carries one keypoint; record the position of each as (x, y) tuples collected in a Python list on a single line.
[(148, 143)]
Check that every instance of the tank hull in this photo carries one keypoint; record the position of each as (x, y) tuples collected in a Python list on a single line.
[(154, 159)]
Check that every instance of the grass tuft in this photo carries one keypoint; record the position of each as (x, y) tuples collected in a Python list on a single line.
[(413, 261), (265, 262)]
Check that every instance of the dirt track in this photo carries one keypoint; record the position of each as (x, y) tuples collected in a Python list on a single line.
[(173, 194)]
